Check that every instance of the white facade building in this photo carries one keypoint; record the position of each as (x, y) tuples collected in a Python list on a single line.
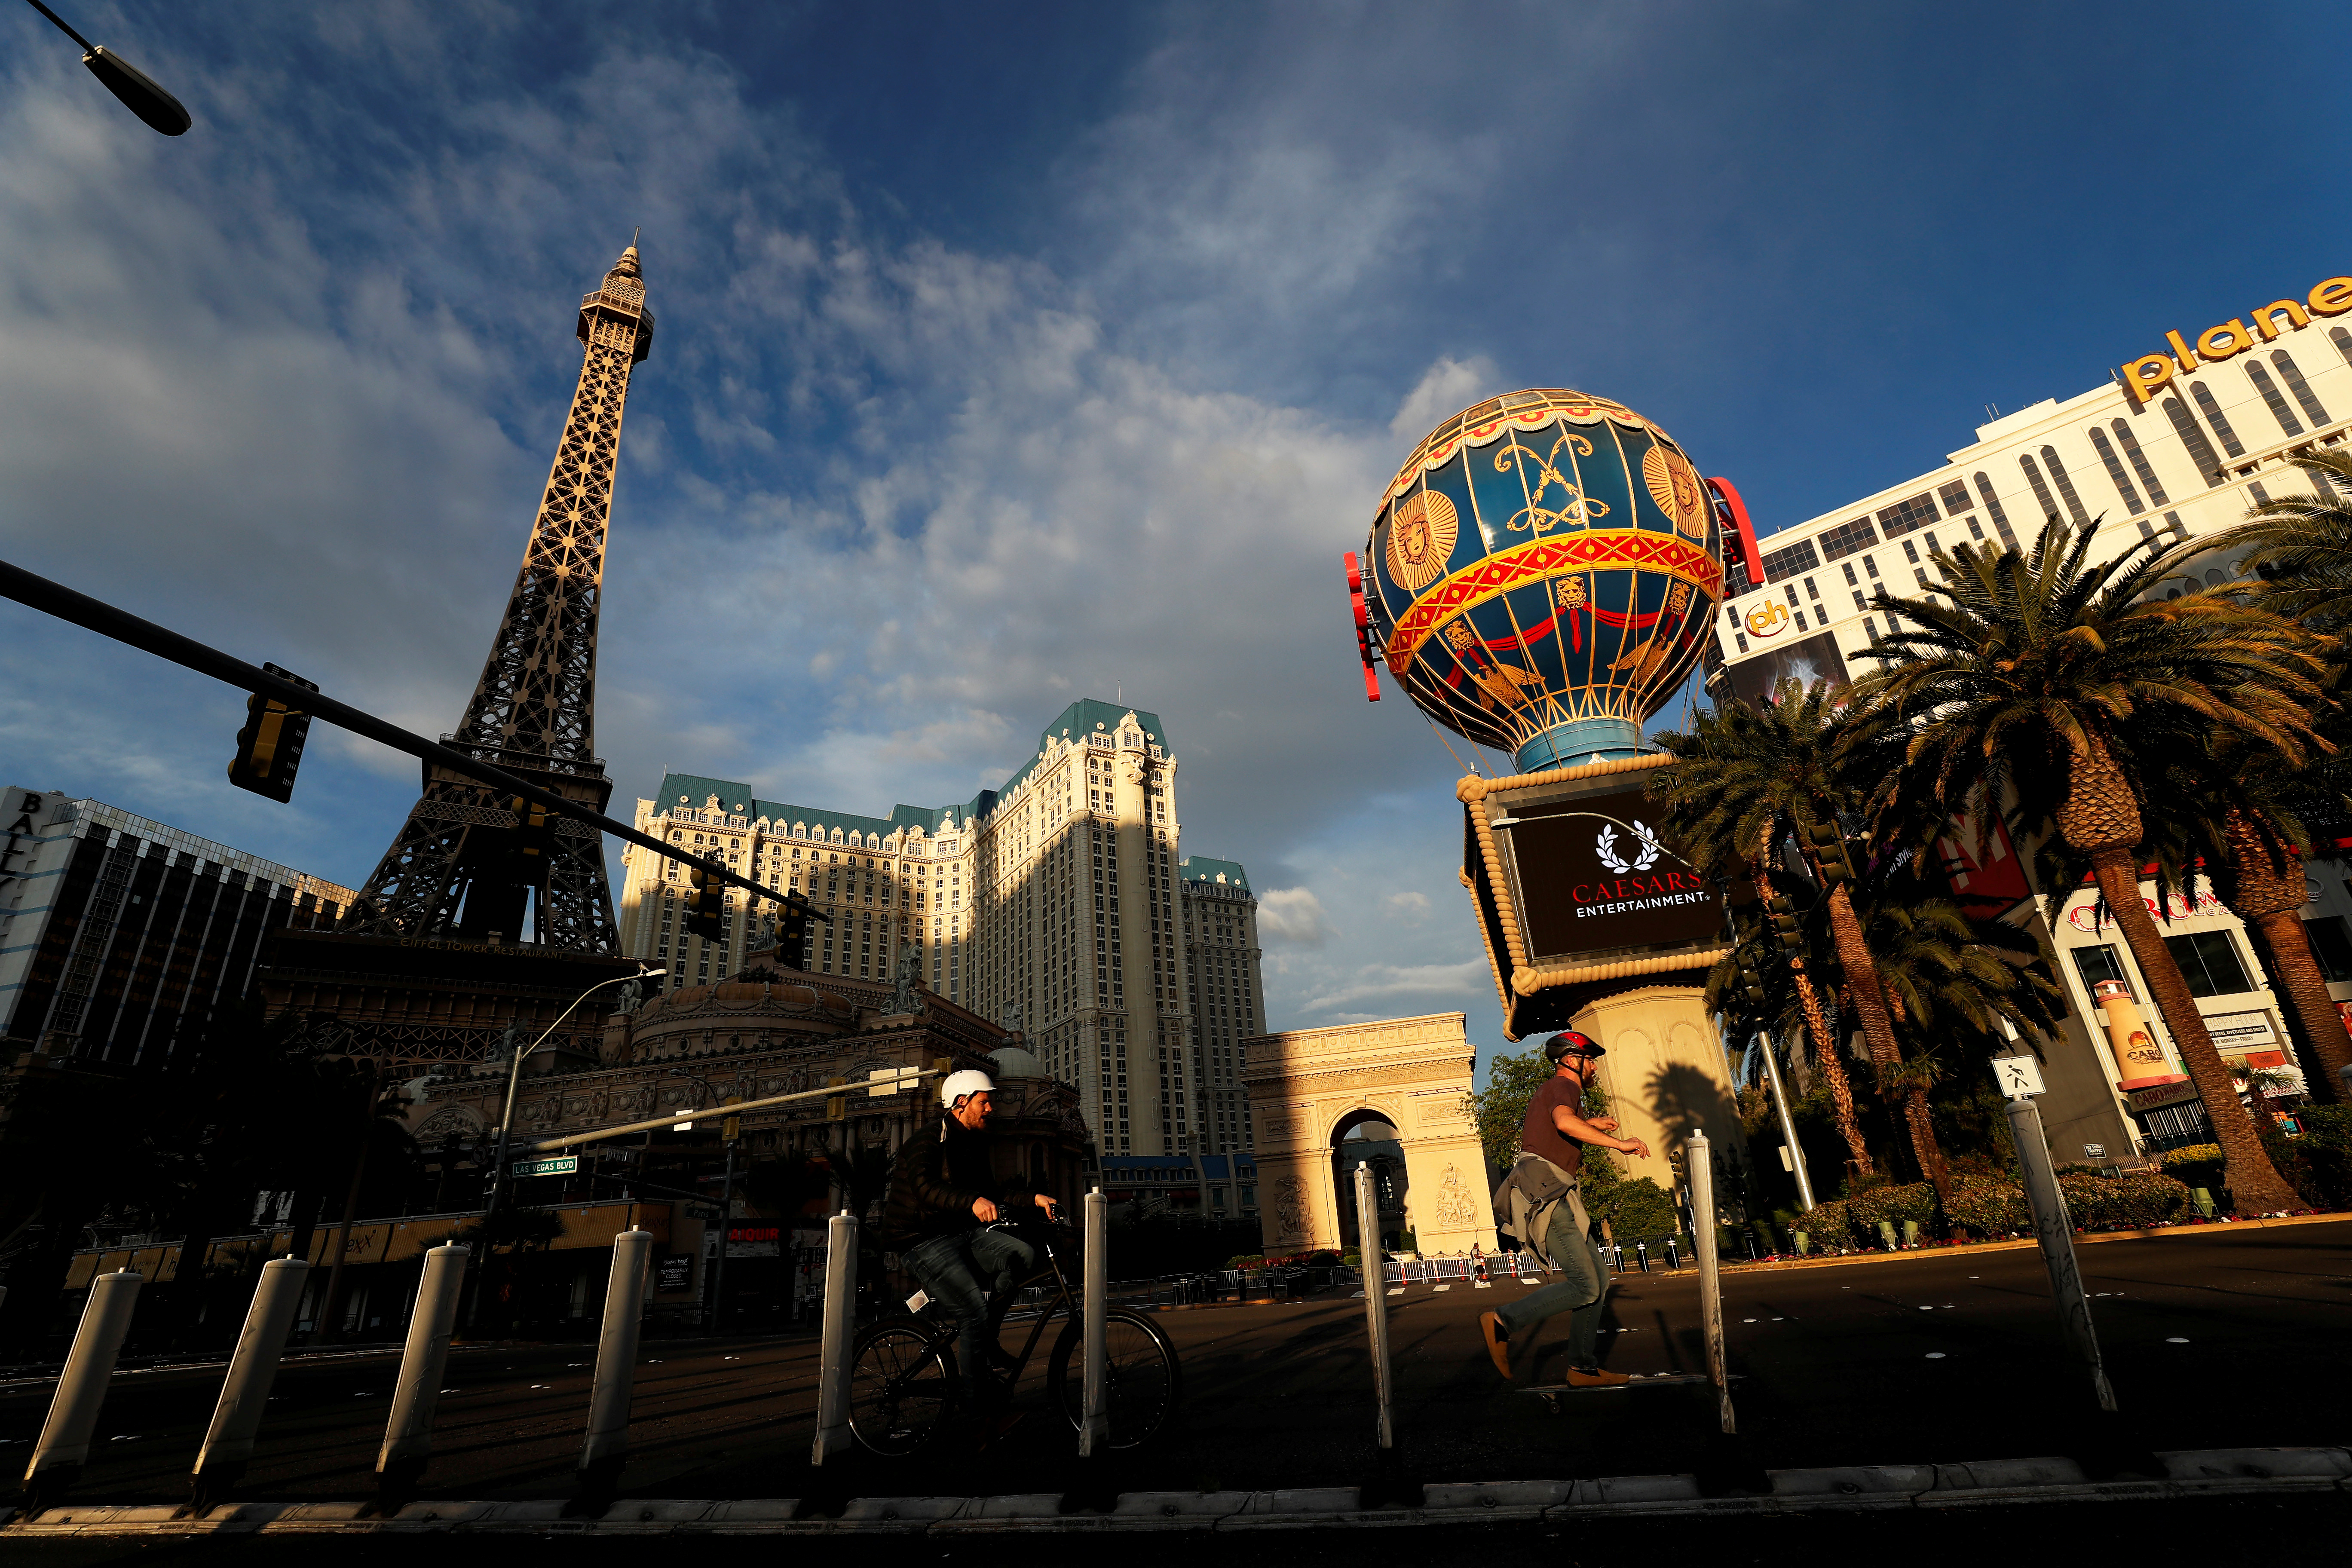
[(2174, 446)]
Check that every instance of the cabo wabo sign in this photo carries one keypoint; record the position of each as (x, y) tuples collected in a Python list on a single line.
[(2151, 373)]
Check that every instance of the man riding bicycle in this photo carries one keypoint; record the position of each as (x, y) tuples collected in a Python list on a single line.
[(943, 1193)]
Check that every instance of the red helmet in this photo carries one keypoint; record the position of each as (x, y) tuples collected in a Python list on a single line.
[(1569, 1042)]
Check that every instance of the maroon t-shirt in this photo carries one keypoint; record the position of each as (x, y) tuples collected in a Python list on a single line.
[(1539, 1136)]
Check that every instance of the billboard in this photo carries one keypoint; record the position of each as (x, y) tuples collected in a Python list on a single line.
[(1816, 658), (1594, 875)]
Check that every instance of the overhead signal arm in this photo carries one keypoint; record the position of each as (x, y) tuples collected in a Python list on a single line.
[(95, 615)]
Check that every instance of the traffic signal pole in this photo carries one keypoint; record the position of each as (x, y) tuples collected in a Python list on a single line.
[(94, 615), (1787, 1125)]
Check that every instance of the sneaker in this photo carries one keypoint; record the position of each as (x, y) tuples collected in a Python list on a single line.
[(1498, 1348), (1593, 1377)]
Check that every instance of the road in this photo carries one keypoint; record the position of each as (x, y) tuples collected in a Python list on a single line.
[(2214, 1338)]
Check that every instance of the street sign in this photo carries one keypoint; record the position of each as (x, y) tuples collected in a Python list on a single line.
[(2017, 1076), (882, 1082), (675, 1272), (562, 1166)]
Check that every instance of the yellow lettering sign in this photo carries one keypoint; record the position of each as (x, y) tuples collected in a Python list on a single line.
[(2151, 373)]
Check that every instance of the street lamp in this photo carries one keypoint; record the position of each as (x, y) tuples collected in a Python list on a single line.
[(506, 1118), (730, 1127), (139, 91)]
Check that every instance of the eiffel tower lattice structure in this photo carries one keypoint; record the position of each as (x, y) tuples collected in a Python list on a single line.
[(464, 864)]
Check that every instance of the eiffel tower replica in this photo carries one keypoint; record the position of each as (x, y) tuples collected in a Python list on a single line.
[(456, 884)]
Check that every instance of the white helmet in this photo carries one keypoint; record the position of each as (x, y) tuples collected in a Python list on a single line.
[(970, 1081)]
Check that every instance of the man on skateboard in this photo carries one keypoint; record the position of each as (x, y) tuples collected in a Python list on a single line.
[(1540, 1195)]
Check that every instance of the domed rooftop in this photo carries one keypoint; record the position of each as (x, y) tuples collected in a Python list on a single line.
[(1014, 1061)]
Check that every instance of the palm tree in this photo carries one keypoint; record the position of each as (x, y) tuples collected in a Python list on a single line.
[(1750, 783), (1791, 997), (2303, 547), (2031, 675)]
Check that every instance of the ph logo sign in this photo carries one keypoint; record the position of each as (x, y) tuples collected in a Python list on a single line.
[(1768, 619)]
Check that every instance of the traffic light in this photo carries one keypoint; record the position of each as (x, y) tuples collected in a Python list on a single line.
[(534, 841), (731, 1126), (1829, 853), (1751, 978), (836, 1106), (1784, 925), (705, 909), (791, 936), (269, 747)]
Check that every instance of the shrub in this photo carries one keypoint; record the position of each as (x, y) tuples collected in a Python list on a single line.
[(1827, 1226), (1246, 1260), (2198, 1164), (1915, 1202), (1988, 1203), (2319, 1163), (1640, 1207), (2129, 1201)]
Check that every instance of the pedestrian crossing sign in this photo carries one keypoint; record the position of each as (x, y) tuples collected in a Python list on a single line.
[(2017, 1076)]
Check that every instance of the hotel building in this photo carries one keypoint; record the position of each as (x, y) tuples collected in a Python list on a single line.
[(2173, 447), (1061, 905)]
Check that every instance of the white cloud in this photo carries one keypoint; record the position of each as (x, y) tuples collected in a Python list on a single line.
[(1411, 905), (1447, 388), (1292, 915), (1379, 981)]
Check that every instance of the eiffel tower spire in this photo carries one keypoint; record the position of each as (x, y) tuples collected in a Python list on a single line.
[(458, 867)]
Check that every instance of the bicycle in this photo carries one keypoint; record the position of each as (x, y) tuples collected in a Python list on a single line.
[(904, 1390)]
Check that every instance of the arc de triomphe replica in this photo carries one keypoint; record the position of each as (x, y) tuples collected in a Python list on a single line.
[(1309, 1088)]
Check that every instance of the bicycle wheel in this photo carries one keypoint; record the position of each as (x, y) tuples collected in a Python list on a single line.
[(902, 1387), (1141, 1380)]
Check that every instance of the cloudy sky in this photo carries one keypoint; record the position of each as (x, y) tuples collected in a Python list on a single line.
[(1011, 353)]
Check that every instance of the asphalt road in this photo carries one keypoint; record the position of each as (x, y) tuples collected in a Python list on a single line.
[(2212, 1338)]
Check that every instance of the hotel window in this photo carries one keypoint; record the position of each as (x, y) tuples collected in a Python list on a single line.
[(2115, 467), (2208, 962), (2331, 943), (2040, 491), (1976, 529), (1905, 515), (1870, 625), (1845, 539), (1851, 580), (2343, 342), (1911, 553), (1791, 560), (1811, 590), (2271, 395), (2065, 486), (1858, 601), (2130, 444), (1955, 497), (2192, 439), (2216, 418), (2292, 375), (1992, 505), (2179, 529), (1870, 565), (2262, 496)]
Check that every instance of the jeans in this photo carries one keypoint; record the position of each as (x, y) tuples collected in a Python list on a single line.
[(950, 1268), (1580, 1290)]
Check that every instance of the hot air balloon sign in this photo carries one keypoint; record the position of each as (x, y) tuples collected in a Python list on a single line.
[(1540, 574)]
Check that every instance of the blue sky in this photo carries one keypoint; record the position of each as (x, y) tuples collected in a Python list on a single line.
[(1010, 353)]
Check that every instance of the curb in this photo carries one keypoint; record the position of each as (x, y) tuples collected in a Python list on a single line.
[(2215, 1472)]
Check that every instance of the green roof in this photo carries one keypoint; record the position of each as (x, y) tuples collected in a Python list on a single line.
[(1200, 869), (1079, 719)]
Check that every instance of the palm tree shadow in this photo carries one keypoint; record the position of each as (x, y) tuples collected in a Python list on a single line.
[(1685, 1099)]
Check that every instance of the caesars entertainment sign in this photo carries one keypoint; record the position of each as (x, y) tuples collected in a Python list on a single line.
[(1577, 884), (2151, 373)]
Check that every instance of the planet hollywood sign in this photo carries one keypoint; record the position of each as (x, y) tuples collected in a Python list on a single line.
[(2151, 373)]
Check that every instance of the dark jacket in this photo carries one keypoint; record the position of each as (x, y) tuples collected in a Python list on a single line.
[(934, 1180)]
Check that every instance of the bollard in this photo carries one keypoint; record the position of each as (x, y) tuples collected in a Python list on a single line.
[(1617, 1255), (408, 1431), (1093, 1422), (2055, 1230), (1886, 1233), (1701, 1162), (1387, 1482), (2204, 1199), (1673, 1253), (833, 1435), (1805, 1242), (607, 1448), (1641, 1254), (1911, 1232), (64, 1443), (245, 1393)]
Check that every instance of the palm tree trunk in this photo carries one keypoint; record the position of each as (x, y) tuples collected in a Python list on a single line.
[(2254, 1184), (1825, 1049), (1878, 1032), (2326, 1048), (2265, 889)]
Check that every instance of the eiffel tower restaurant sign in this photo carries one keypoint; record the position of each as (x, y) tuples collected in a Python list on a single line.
[(1580, 891)]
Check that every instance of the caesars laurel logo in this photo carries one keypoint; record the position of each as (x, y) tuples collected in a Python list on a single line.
[(1647, 849)]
